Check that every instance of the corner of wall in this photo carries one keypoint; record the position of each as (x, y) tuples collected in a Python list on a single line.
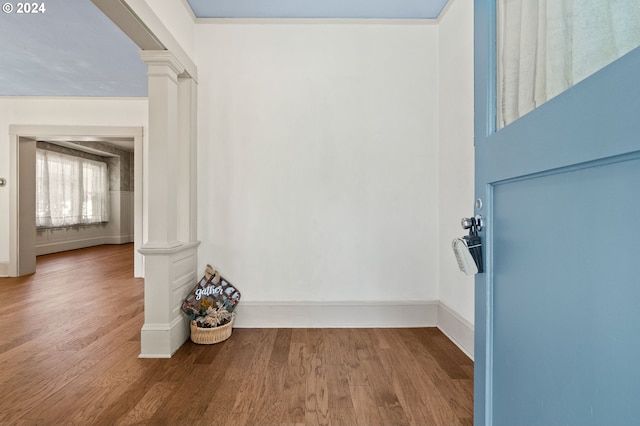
[(455, 162), (456, 328)]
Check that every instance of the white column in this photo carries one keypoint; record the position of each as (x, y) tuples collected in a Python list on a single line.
[(186, 160), (163, 148), (170, 254)]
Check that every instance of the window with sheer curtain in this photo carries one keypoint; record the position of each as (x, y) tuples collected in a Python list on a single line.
[(547, 46), (70, 190)]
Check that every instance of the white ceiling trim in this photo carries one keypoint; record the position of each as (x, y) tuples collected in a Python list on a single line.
[(315, 21), (187, 6)]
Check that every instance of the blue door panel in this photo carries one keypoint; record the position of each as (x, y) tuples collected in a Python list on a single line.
[(565, 297), (558, 307)]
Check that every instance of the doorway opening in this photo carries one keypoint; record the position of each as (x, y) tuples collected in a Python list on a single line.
[(122, 147)]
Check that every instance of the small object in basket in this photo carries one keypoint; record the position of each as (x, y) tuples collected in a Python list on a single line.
[(214, 317), (209, 336), (210, 306), (213, 291)]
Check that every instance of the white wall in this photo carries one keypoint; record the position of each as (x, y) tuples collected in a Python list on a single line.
[(58, 111), (456, 150), (318, 160)]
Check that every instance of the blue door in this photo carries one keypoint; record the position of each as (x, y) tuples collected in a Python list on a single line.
[(558, 308)]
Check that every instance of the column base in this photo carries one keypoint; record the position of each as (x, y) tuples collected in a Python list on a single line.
[(170, 273), (163, 340)]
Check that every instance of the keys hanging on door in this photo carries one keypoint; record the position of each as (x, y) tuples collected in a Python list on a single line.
[(468, 249)]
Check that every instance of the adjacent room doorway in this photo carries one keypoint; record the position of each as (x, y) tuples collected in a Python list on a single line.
[(22, 229)]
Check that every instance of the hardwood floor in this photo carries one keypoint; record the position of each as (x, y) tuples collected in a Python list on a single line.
[(70, 337)]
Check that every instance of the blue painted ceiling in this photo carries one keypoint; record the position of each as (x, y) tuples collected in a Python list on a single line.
[(382, 9), (73, 49)]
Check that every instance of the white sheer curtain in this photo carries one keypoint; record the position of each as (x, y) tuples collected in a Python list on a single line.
[(546, 46), (70, 190)]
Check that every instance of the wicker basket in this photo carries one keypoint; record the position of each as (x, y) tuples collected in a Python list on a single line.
[(209, 336)]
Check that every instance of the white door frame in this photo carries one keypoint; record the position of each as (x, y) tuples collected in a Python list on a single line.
[(16, 132)]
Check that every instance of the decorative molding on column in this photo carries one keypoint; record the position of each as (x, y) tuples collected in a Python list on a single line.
[(150, 250), (138, 21), (162, 63), (170, 275), (171, 250)]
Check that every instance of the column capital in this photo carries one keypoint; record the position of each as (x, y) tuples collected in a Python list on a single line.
[(161, 58)]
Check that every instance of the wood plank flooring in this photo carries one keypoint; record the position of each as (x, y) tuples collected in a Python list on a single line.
[(70, 337)]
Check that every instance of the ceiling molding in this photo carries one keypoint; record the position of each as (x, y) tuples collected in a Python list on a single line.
[(444, 11), (187, 6), (315, 21)]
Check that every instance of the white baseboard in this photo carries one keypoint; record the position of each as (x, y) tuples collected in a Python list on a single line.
[(336, 314), (358, 315), (456, 328), (161, 340), (119, 239), (4, 269), (66, 245)]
